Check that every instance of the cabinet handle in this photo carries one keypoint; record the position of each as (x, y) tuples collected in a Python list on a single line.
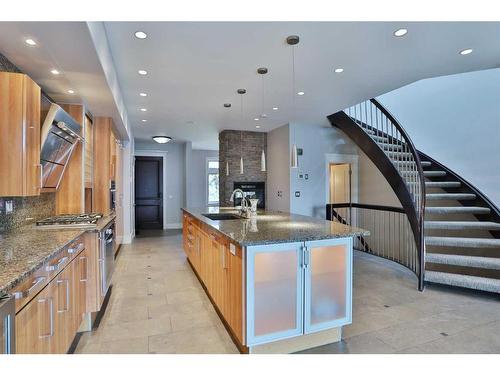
[(27, 292), (307, 257), (86, 277), (66, 302), (223, 258), (51, 318), (58, 265)]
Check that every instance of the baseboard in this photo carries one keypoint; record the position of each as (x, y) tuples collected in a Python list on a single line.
[(127, 238), (173, 226)]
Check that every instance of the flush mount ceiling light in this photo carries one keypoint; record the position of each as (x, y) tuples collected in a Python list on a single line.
[(55, 72), (144, 109), (30, 42), (144, 120), (162, 139), (400, 32), (275, 108), (300, 93), (140, 35), (143, 94), (71, 91), (466, 51), (227, 105), (142, 72), (256, 119), (339, 70)]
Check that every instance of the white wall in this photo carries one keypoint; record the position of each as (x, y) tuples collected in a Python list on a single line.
[(174, 189), (456, 120), (316, 142), (278, 169), (198, 180), (128, 229)]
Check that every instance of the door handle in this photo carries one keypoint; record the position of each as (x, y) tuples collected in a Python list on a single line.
[(56, 266), (51, 318), (27, 292)]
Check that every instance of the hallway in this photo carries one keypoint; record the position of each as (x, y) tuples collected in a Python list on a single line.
[(158, 306)]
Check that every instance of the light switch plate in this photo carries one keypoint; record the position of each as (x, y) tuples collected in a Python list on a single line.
[(232, 249)]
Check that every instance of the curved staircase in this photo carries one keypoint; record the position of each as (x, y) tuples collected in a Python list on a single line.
[(456, 227)]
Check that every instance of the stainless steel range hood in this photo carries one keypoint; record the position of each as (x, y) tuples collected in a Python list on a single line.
[(60, 135)]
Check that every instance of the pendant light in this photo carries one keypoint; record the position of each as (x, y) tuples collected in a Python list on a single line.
[(293, 40), (227, 150), (262, 72), (241, 92)]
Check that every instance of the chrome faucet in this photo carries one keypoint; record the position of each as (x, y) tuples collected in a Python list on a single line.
[(244, 203)]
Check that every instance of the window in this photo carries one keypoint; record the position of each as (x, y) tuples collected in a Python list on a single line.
[(212, 181)]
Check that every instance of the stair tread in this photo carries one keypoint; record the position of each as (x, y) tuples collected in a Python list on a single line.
[(449, 196), (459, 225), (464, 281), (457, 210), (434, 173), (463, 260), (443, 184), (462, 242)]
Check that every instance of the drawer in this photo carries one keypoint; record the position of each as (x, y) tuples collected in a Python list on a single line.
[(30, 287), (76, 247)]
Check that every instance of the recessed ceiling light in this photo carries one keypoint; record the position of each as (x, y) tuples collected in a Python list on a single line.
[(71, 91), (257, 126), (162, 139), (144, 120), (256, 119), (275, 108), (30, 42), (141, 35), (143, 94), (400, 32), (466, 51), (339, 70), (143, 109), (142, 72), (54, 72), (301, 93)]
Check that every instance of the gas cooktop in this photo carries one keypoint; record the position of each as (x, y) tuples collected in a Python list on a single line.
[(70, 221)]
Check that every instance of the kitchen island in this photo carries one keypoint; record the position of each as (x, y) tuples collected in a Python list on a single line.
[(280, 282)]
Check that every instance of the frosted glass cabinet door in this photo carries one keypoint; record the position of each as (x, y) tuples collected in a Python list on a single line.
[(274, 292), (328, 280)]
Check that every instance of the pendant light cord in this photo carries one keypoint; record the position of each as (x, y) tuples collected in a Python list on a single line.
[(293, 89), (241, 131)]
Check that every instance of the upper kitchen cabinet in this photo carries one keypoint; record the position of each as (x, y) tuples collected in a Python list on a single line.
[(102, 164), (20, 168)]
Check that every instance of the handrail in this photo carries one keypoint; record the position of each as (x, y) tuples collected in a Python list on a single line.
[(375, 207), (389, 146)]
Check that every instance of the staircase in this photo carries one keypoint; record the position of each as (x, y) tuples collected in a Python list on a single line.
[(456, 228)]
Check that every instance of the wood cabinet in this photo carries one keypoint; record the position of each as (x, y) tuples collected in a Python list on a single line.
[(20, 168), (49, 321), (219, 265), (102, 164)]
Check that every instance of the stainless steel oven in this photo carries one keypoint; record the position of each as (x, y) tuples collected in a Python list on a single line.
[(7, 324), (106, 256)]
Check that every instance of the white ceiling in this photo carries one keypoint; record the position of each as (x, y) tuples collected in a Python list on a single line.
[(196, 67)]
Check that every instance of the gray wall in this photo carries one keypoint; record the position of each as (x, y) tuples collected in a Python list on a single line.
[(456, 120), (198, 180), (278, 169)]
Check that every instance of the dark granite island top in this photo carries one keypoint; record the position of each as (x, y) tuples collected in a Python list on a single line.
[(25, 250), (270, 227)]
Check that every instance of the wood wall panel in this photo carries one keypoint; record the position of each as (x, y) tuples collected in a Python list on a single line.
[(102, 154), (70, 197)]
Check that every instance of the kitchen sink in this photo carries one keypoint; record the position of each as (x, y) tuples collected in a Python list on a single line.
[(224, 216)]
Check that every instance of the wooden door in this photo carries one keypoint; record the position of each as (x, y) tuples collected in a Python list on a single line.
[(36, 324), (148, 192), (340, 183), (234, 301), (102, 182), (67, 321), (31, 156)]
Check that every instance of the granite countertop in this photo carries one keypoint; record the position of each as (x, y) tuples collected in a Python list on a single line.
[(25, 250), (270, 227)]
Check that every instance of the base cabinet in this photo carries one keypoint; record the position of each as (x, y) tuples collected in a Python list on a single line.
[(297, 288), (47, 324)]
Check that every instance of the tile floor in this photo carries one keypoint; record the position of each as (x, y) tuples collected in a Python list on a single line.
[(158, 306)]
